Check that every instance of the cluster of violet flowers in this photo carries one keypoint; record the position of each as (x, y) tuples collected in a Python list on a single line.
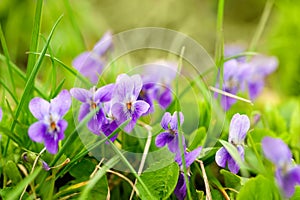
[(170, 137), (245, 74)]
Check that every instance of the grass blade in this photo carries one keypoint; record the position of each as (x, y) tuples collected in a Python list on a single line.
[(30, 82), (35, 36)]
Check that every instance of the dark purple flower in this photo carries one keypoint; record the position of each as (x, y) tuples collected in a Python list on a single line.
[(287, 174), (50, 127), (157, 78), (125, 104), (170, 137), (180, 189), (91, 63), (92, 99), (239, 126)]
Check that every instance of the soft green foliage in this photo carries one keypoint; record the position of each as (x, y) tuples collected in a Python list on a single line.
[(161, 183)]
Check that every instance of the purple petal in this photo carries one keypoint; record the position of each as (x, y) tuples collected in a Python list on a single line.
[(226, 101), (166, 120), (139, 108), (89, 65), (124, 88), (174, 123), (104, 93), (61, 103), (118, 111), (255, 88), (130, 126), (276, 151), (264, 65), (63, 126), (165, 98), (95, 122), (45, 166), (239, 126), (163, 138), (174, 146), (109, 128), (84, 110), (39, 108), (81, 94), (104, 44), (137, 84), (192, 156), (290, 180), (221, 157), (51, 143), (37, 131), (180, 189), (233, 166)]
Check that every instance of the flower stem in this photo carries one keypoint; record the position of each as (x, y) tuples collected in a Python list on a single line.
[(145, 153), (207, 190)]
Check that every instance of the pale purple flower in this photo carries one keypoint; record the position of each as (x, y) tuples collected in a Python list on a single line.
[(45, 166), (157, 78), (239, 126), (50, 127), (92, 99), (91, 63), (287, 174), (259, 67), (125, 104)]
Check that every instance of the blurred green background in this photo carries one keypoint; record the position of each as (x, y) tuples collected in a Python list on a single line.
[(84, 22)]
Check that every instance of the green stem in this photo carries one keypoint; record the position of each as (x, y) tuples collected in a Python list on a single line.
[(262, 24), (219, 49)]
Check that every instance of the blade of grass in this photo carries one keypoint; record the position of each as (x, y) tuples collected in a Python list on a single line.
[(35, 36), (262, 24), (30, 82), (21, 74), (16, 192), (71, 70), (9, 91), (6, 53), (74, 23)]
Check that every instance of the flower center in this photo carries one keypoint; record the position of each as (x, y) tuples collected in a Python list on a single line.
[(129, 105), (53, 126), (93, 105)]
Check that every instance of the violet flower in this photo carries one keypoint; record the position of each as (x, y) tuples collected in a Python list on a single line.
[(287, 174), (157, 79), (50, 127), (92, 99), (91, 63), (170, 137), (239, 126), (125, 104), (258, 68)]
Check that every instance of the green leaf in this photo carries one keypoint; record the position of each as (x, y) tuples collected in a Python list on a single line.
[(47, 188), (161, 182), (13, 172), (77, 170), (197, 138), (296, 195), (259, 188), (231, 180), (276, 122), (259, 133)]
